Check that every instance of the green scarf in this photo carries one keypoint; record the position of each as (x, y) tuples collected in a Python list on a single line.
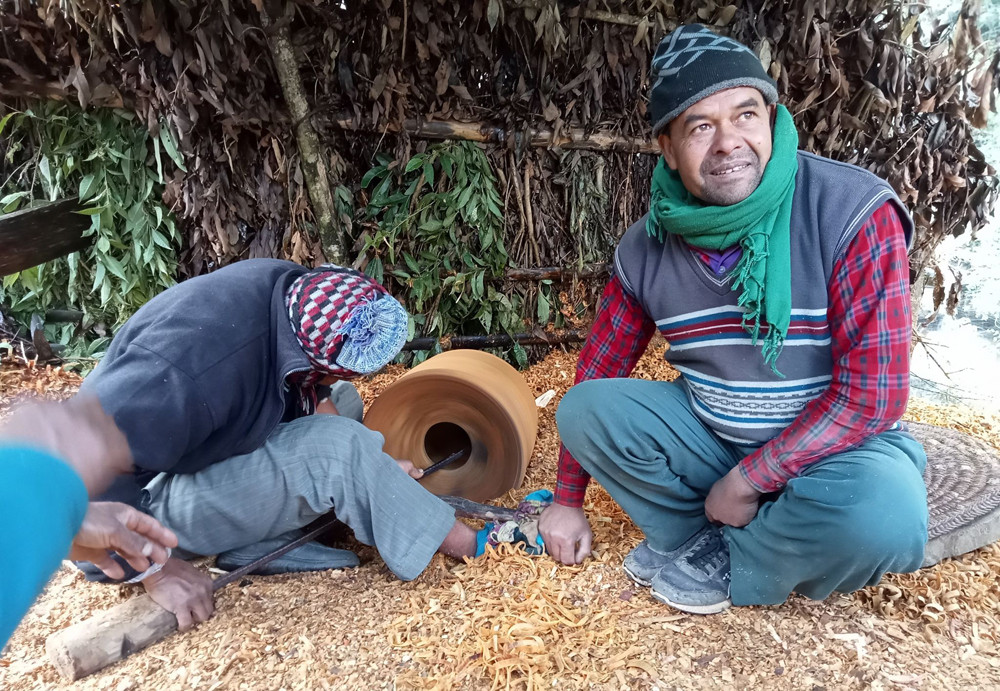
[(760, 224)]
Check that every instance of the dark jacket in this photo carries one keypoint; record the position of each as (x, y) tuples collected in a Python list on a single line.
[(197, 375)]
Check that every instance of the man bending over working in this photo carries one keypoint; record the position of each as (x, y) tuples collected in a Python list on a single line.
[(231, 391)]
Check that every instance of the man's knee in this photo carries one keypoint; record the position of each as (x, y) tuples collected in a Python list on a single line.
[(331, 439), (579, 410), (885, 521), (345, 397)]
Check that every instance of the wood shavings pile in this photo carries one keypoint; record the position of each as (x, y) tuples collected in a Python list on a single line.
[(510, 621), (23, 381)]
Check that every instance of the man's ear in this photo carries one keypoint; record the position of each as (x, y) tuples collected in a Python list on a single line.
[(773, 111), (666, 149)]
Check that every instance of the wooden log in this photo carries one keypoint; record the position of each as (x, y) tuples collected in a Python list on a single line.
[(106, 638), (40, 234), (111, 636), (568, 138)]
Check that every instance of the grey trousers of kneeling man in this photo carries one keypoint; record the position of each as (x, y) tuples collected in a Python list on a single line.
[(305, 469)]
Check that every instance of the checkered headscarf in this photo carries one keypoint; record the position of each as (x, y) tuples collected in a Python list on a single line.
[(347, 324)]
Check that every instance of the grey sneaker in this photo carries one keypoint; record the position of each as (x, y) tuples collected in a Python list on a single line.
[(311, 556), (643, 562), (697, 581)]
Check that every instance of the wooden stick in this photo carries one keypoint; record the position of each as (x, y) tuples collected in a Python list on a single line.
[(557, 272), (580, 12)]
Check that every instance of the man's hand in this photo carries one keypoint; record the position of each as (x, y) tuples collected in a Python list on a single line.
[(732, 500), (113, 527), (566, 533), (410, 469), (184, 590), (79, 432)]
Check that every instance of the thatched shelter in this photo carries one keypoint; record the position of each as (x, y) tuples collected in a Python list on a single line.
[(313, 130)]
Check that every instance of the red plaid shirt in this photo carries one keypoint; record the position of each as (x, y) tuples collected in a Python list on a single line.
[(869, 316)]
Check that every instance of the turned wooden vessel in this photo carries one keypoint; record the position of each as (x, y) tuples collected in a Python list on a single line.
[(460, 400)]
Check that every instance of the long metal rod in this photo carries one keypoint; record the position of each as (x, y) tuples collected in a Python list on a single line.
[(326, 523), (465, 508)]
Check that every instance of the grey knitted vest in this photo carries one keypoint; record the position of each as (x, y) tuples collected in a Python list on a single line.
[(730, 387)]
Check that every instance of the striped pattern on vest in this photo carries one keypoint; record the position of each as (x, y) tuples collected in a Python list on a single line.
[(723, 326), (731, 389)]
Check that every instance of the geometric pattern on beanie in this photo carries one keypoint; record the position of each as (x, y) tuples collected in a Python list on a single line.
[(693, 62), (686, 46)]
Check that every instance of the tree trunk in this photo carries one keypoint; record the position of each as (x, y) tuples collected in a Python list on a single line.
[(311, 151)]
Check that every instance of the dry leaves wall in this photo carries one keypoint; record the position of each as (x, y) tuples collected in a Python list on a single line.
[(866, 82)]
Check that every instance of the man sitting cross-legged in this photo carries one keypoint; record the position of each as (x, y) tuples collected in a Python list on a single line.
[(780, 280)]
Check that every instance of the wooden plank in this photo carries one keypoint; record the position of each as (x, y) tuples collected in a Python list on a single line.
[(37, 235)]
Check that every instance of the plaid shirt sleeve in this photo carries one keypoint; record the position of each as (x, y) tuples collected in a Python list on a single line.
[(617, 340), (869, 317)]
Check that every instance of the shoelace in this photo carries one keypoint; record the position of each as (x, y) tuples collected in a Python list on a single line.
[(708, 554)]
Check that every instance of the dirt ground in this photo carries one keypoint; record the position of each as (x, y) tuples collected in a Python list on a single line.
[(506, 620)]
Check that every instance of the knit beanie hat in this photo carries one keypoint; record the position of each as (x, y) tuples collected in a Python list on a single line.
[(347, 324), (692, 63)]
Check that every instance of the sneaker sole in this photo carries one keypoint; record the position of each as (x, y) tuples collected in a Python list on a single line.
[(639, 581), (693, 609)]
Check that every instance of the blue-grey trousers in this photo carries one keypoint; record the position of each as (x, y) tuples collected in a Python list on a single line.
[(306, 468), (838, 526)]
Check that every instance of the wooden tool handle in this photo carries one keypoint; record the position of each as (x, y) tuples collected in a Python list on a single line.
[(106, 638)]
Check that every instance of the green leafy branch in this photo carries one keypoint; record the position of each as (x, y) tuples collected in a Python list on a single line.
[(434, 230), (115, 168)]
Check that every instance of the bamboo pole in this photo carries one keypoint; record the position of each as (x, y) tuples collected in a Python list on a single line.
[(497, 340), (310, 148), (569, 138)]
